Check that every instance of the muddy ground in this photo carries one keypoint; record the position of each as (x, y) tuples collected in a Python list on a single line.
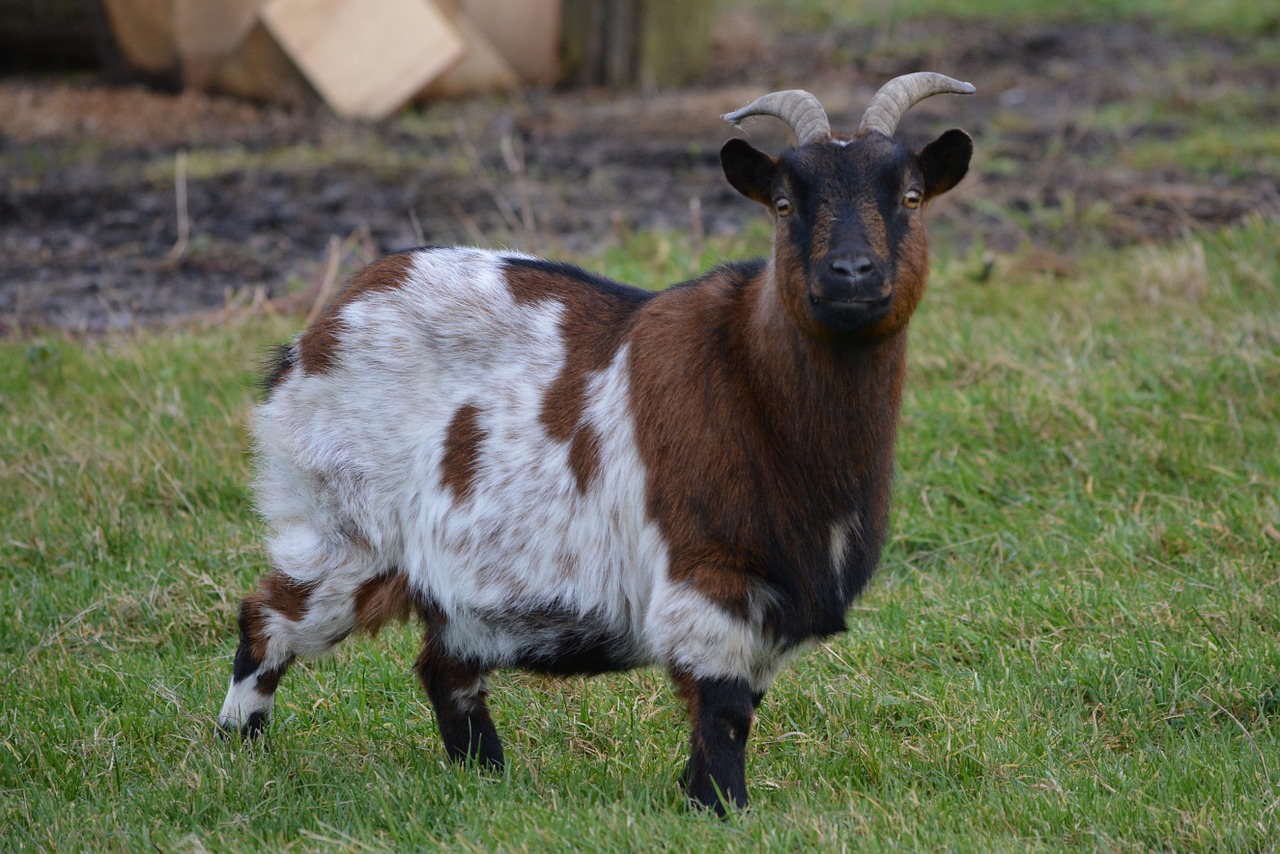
[(277, 197)]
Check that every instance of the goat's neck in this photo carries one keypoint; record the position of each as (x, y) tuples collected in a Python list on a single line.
[(841, 398), (794, 362)]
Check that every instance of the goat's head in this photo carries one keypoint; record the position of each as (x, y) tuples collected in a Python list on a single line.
[(850, 257)]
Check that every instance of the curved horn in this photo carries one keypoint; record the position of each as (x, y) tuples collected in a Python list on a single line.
[(796, 107), (902, 93)]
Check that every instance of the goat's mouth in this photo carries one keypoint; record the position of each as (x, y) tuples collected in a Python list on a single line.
[(852, 303), (847, 313)]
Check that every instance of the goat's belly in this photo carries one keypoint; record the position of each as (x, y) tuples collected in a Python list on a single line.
[(562, 584), (545, 640)]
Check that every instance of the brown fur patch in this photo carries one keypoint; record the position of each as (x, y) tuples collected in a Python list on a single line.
[(269, 680), (318, 345), (381, 600), (725, 581), (285, 594), (912, 274), (462, 451), (593, 325), (687, 690), (756, 438), (584, 456), (282, 594), (873, 227)]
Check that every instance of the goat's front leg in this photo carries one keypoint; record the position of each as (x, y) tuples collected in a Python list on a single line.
[(720, 711)]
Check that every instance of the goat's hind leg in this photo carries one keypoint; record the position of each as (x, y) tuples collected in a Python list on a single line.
[(457, 690), (285, 618), (265, 651)]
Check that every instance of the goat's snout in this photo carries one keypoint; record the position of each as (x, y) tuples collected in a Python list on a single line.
[(850, 278), (852, 267)]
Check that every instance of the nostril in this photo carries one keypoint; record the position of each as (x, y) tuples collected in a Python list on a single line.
[(852, 267)]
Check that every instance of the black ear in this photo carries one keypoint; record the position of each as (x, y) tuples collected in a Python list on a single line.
[(945, 161), (749, 170)]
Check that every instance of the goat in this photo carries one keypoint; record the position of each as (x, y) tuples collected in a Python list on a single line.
[(561, 473)]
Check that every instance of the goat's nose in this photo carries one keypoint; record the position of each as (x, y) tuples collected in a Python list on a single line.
[(853, 268)]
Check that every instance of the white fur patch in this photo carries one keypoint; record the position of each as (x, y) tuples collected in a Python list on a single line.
[(360, 449), (693, 634), (844, 533), (242, 701)]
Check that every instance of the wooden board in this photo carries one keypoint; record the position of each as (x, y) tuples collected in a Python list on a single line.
[(482, 70), (366, 58), (525, 32), (143, 30), (207, 34), (212, 29)]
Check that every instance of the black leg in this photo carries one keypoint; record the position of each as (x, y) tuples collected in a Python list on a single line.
[(457, 692), (720, 712)]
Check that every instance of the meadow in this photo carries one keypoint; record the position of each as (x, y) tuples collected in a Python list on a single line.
[(1073, 641)]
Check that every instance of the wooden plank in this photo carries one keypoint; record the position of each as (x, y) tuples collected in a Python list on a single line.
[(628, 42), (482, 70), (525, 32), (212, 29), (143, 30), (366, 58), (207, 34)]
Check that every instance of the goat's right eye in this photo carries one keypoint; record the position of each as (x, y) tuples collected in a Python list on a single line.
[(783, 206)]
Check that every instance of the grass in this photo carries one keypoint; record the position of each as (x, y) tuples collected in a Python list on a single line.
[(1240, 16), (1073, 641), (1074, 638)]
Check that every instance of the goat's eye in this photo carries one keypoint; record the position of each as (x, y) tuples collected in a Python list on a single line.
[(912, 199), (783, 206)]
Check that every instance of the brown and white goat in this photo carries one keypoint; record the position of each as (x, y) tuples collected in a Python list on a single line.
[(561, 473)]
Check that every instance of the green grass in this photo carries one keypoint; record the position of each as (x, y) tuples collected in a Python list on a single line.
[(1240, 16), (1074, 638)]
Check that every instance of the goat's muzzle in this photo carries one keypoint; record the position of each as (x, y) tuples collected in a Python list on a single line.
[(849, 291)]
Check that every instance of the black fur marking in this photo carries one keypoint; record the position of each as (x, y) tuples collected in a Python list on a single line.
[(462, 714), (255, 726), (716, 775), (275, 366), (245, 664), (466, 727), (566, 643), (749, 170), (945, 161), (735, 274), (560, 269)]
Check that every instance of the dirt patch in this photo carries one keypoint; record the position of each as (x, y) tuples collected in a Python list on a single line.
[(88, 219)]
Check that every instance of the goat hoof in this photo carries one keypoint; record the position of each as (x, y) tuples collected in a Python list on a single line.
[(250, 730)]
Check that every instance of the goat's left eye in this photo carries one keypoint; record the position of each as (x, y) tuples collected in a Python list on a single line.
[(912, 199)]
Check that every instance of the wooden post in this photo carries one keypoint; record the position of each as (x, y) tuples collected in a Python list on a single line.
[(620, 43)]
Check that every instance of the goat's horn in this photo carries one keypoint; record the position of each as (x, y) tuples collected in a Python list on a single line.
[(902, 93), (796, 107)]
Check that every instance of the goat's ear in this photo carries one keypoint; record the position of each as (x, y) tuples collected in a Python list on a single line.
[(749, 170), (945, 161)]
